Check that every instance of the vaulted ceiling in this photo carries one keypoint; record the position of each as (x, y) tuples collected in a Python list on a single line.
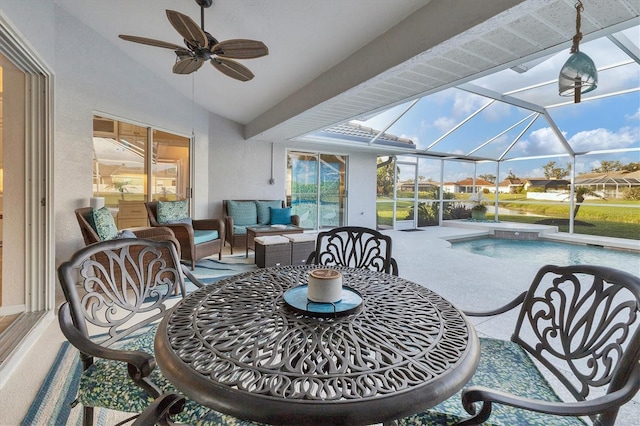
[(335, 60)]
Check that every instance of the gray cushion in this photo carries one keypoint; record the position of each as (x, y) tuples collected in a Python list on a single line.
[(264, 213), (243, 212)]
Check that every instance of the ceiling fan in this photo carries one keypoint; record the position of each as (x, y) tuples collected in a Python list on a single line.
[(202, 46)]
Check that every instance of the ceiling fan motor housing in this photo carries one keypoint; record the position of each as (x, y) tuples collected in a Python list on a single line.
[(204, 3)]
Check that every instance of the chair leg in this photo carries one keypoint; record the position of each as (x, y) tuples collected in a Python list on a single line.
[(193, 264), (87, 416)]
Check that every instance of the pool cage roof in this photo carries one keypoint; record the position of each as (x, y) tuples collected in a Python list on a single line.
[(515, 113)]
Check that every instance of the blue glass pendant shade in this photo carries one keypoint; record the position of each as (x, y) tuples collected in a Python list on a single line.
[(579, 69)]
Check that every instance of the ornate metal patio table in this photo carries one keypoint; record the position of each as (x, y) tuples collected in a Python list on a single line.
[(239, 348)]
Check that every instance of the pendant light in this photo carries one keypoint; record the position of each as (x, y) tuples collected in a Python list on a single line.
[(579, 74)]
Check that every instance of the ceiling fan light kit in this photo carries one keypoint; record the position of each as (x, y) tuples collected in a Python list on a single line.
[(202, 46)]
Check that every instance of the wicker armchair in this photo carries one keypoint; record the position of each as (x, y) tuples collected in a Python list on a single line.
[(149, 233), (185, 234)]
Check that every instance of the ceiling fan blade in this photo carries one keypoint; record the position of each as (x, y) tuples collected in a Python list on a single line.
[(188, 29), (240, 49), (232, 69), (187, 65), (152, 42)]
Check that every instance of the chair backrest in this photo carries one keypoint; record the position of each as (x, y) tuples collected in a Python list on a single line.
[(583, 323), (120, 286), (356, 247), (88, 233)]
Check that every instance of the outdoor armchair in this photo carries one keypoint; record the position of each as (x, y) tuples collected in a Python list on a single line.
[(90, 235), (198, 238), (582, 324), (110, 315), (356, 247)]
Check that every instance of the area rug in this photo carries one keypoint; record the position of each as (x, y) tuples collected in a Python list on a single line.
[(52, 404)]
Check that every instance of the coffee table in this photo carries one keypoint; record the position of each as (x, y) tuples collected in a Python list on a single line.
[(263, 230)]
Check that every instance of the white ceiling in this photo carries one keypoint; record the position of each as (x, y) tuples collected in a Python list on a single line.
[(333, 60)]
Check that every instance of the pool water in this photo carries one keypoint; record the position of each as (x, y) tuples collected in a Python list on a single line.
[(544, 252)]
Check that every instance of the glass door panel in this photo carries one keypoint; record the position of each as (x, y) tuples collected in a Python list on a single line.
[(302, 173), (406, 173), (316, 189), (332, 194), (170, 178)]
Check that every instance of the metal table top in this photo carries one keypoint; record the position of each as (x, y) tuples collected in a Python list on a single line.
[(237, 347)]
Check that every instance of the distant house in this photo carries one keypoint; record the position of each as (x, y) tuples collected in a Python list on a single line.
[(611, 184), (423, 186), (509, 186), (465, 186), (547, 185)]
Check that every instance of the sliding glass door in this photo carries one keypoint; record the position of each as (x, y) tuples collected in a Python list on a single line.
[(316, 188), (133, 164)]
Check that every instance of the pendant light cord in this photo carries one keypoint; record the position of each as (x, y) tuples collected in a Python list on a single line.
[(576, 38)]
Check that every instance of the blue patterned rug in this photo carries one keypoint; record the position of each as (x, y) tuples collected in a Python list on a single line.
[(52, 404)]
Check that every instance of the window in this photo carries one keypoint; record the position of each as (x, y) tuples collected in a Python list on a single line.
[(133, 164), (316, 188)]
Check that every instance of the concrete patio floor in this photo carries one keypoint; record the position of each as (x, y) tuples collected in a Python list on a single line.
[(469, 281)]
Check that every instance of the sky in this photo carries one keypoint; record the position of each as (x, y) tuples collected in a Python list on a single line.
[(606, 127)]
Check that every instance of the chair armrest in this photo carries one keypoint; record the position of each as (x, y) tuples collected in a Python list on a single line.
[(580, 408), (228, 222), (153, 233), (159, 411), (515, 302), (311, 260), (394, 267), (142, 363), (187, 272)]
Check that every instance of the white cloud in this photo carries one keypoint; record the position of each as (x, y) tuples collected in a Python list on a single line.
[(444, 123), (541, 141), (604, 139), (633, 117)]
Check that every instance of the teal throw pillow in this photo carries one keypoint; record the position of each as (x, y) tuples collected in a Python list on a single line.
[(102, 222), (243, 212), (264, 212), (173, 212), (281, 216)]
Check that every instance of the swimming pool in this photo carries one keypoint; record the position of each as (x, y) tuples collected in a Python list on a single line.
[(544, 252)]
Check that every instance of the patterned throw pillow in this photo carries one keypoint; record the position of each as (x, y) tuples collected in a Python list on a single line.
[(264, 212), (102, 222), (281, 216), (173, 212), (244, 213)]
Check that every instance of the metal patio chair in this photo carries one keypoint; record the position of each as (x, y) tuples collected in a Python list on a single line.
[(356, 247), (582, 324), (110, 315)]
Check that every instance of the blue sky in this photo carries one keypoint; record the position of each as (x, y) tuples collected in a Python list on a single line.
[(598, 123)]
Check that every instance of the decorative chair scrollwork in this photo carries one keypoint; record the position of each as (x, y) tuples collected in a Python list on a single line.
[(355, 247), (116, 291), (582, 323)]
